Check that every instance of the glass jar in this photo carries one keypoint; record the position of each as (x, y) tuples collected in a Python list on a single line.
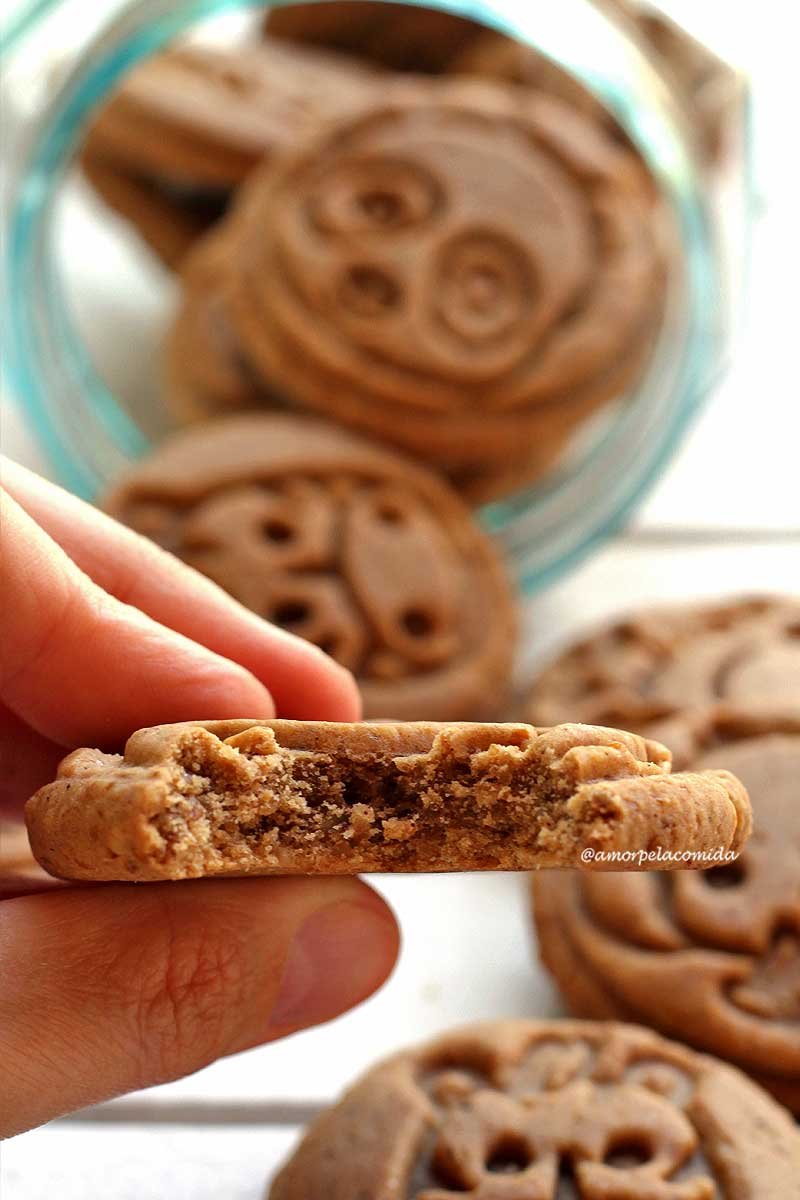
[(85, 312)]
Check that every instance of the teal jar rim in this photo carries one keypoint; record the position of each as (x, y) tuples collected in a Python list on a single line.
[(546, 529)]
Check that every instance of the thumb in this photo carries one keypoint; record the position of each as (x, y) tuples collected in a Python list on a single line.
[(109, 989)]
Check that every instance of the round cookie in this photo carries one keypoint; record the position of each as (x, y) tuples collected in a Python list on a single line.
[(644, 671), (539, 1110), (713, 956), (495, 56), (344, 543), (391, 273)]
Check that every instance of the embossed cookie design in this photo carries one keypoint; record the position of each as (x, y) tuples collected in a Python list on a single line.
[(548, 1110), (459, 272), (185, 127), (344, 543), (713, 956)]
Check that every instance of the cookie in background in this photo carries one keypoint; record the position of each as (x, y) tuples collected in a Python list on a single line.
[(525, 1109), (345, 543), (387, 275)]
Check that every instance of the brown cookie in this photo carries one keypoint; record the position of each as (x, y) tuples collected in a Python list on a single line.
[(348, 545), (404, 37), (390, 273), (711, 957), (548, 1110), (652, 666), (293, 797), (185, 127)]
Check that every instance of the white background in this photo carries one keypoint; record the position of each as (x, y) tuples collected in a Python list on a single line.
[(725, 517)]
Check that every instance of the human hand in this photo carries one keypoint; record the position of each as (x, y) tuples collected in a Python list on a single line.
[(109, 988)]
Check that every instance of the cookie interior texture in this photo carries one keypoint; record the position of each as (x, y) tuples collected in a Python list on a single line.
[(711, 957), (289, 797), (548, 1110)]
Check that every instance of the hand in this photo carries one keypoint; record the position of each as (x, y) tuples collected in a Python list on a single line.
[(109, 988)]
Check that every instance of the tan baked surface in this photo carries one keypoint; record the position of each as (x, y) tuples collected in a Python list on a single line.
[(287, 797), (711, 957), (389, 272), (344, 543), (548, 1110)]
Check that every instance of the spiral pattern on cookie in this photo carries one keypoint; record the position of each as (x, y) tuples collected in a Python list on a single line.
[(456, 255)]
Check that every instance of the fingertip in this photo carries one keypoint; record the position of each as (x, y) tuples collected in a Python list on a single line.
[(236, 693), (337, 696)]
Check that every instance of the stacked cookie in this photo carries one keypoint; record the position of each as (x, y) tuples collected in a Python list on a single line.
[(453, 271), (711, 957), (467, 270), (344, 543)]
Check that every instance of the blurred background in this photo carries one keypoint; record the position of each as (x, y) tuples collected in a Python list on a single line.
[(723, 516)]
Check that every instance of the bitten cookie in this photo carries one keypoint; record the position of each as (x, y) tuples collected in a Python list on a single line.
[(349, 545), (293, 797), (711, 957), (463, 272), (653, 665), (548, 1110), (185, 127)]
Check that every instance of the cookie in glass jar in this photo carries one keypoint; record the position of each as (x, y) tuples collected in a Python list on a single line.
[(185, 127), (459, 273)]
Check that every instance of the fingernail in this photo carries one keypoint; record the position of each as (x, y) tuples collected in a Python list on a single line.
[(338, 957)]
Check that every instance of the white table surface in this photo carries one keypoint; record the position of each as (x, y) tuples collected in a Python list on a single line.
[(725, 517)]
